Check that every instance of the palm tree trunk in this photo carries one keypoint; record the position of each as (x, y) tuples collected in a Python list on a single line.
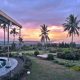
[(72, 44), (46, 44), (72, 38)]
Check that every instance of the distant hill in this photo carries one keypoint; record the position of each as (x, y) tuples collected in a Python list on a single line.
[(25, 42), (30, 43)]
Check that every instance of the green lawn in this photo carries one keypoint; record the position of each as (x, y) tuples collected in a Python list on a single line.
[(47, 70), (75, 62)]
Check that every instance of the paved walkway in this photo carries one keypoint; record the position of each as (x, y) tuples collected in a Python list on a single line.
[(19, 66)]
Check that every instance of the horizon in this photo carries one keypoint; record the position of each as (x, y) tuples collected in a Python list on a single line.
[(32, 14), (34, 42)]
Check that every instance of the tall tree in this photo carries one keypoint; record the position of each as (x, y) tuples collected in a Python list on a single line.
[(72, 26), (44, 34), (3, 26), (14, 32), (20, 40)]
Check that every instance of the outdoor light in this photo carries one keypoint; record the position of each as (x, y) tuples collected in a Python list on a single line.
[(28, 72), (20, 54), (2, 24)]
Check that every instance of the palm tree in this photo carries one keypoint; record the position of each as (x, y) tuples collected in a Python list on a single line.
[(44, 34), (71, 26), (3, 26), (14, 32)]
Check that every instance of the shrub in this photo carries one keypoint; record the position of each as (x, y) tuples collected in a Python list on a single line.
[(11, 55), (36, 53), (52, 51), (28, 65), (16, 77), (1, 51), (5, 78), (5, 55), (60, 55), (55, 61), (67, 51), (50, 57), (66, 64), (29, 54), (69, 64), (59, 50), (77, 56), (78, 50), (61, 63), (69, 55)]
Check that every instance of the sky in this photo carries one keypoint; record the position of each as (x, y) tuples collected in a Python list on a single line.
[(33, 13)]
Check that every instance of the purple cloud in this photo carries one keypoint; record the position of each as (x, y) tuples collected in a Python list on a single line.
[(40, 11)]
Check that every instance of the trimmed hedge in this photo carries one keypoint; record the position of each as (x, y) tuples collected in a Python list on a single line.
[(68, 55), (36, 53), (52, 50), (50, 57)]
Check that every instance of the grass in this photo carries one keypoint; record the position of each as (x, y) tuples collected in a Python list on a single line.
[(73, 65), (46, 70), (75, 62), (76, 68)]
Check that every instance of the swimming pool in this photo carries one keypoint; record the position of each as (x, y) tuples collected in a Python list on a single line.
[(2, 63)]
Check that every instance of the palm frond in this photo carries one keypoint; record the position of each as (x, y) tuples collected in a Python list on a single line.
[(44, 33), (71, 25)]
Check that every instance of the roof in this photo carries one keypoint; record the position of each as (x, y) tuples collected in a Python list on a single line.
[(9, 19)]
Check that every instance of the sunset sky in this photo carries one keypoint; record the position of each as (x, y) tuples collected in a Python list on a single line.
[(33, 13)]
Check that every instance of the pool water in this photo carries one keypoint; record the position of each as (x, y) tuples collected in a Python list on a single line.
[(2, 63)]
